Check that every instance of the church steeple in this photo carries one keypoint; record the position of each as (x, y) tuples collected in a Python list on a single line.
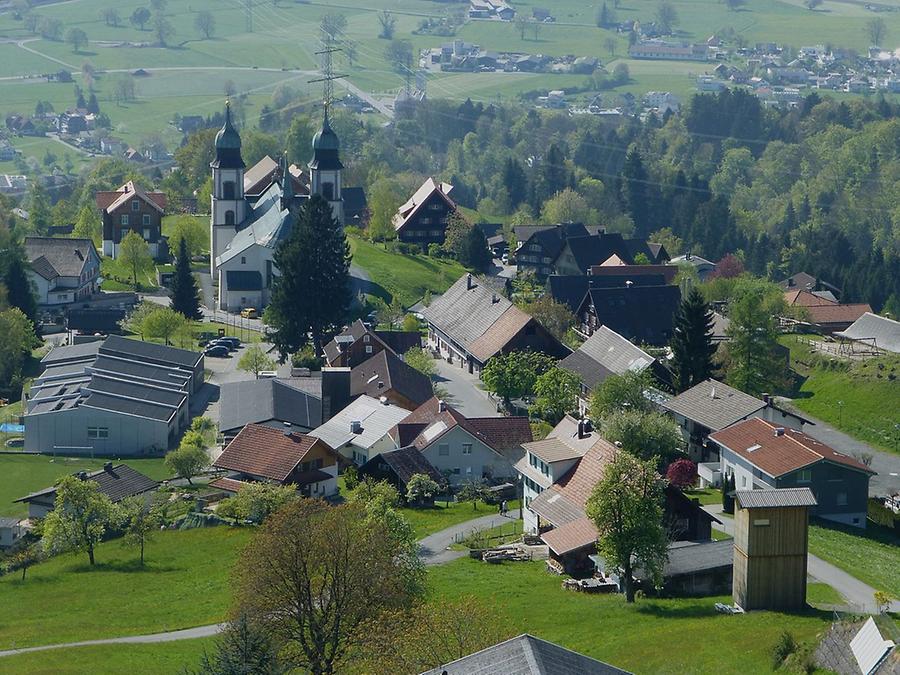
[(287, 184), (325, 168), (229, 208), (228, 145)]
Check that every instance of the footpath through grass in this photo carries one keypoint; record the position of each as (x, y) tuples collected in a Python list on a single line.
[(859, 397), (23, 474), (871, 555), (427, 521), (163, 657), (184, 583), (407, 277), (647, 637)]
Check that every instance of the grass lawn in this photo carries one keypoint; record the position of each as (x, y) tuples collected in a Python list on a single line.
[(818, 593), (871, 555), (117, 277), (23, 474), (857, 399), (185, 583), (439, 517), (706, 495), (404, 276), (642, 638), (719, 535), (165, 657)]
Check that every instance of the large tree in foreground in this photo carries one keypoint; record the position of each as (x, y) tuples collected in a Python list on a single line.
[(692, 347), (752, 363), (319, 580), (311, 294), (627, 508), (134, 254), (185, 296)]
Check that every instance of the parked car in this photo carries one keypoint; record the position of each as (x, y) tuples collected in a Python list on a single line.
[(219, 342), (232, 341), (249, 313), (217, 351)]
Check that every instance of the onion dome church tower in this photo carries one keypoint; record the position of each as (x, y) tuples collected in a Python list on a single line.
[(325, 169), (229, 207)]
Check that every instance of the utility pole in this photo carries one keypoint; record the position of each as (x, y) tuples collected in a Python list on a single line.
[(328, 74), (248, 13)]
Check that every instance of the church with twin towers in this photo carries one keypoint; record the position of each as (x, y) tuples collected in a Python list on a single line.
[(254, 209)]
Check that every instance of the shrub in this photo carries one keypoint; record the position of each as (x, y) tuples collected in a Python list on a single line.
[(351, 478), (784, 647), (306, 358), (682, 473)]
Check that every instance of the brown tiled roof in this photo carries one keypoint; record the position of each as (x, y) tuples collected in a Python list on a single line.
[(227, 484), (571, 536), (825, 314), (500, 333), (110, 201), (385, 372), (414, 203), (406, 462), (503, 434), (801, 298), (778, 455), (263, 451)]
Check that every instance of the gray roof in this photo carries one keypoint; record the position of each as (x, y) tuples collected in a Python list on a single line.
[(604, 353), (525, 655), (567, 432), (714, 404), (116, 344), (149, 409), (552, 450), (464, 314), (688, 557), (883, 332), (66, 257), (117, 482), (267, 224), (162, 375), (375, 417), (71, 352), (763, 499), (256, 401), (164, 396), (385, 372), (9, 522)]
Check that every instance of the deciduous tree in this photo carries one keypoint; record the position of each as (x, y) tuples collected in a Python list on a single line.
[(388, 23), (190, 458), (557, 394), (255, 360), (140, 520), (647, 435), (335, 570), (421, 488), (876, 30), (255, 502), (77, 38), (514, 374), (627, 509), (682, 473), (205, 22), (134, 254), (621, 392), (555, 316), (140, 16), (162, 322), (80, 517)]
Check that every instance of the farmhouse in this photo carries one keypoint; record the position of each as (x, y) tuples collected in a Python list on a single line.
[(642, 314), (711, 406), (538, 246), (116, 481), (422, 219), (385, 375), (116, 397), (570, 289), (130, 209), (357, 343), (262, 454), (471, 322), (397, 467), (463, 448), (763, 456), (669, 51), (288, 404), (581, 253), (359, 432), (62, 271)]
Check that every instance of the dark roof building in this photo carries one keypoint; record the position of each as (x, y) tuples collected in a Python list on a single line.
[(357, 343), (570, 289), (62, 270), (581, 253), (472, 322), (423, 218), (541, 245), (384, 374), (293, 404), (398, 466), (641, 314), (117, 482), (525, 655)]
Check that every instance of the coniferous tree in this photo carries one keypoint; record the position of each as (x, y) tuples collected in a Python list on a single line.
[(185, 297), (18, 286), (311, 294), (515, 181), (635, 192), (692, 346)]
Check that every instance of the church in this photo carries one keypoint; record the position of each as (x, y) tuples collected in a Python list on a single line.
[(254, 209)]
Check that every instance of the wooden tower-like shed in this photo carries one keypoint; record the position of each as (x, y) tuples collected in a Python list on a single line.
[(770, 548)]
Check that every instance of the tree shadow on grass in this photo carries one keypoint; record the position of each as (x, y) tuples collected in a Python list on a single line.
[(128, 566), (670, 610)]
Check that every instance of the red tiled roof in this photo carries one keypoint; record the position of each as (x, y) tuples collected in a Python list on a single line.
[(110, 201), (580, 481), (267, 452), (778, 455), (571, 536), (227, 484), (825, 314)]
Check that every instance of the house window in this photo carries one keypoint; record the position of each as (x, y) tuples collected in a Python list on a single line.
[(146, 234), (243, 260), (424, 221), (135, 205), (468, 470), (368, 349), (123, 219), (444, 450), (436, 206), (229, 217), (328, 191), (467, 448), (743, 481), (456, 471), (98, 432), (841, 499), (366, 337), (146, 219), (804, 476)]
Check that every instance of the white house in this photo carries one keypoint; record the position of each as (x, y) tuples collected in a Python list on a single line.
[(360, 431), (62, 271)]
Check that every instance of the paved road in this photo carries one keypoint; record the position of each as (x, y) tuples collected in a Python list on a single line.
[(432, 549), (887, 464), (463, 391), (859, 596)]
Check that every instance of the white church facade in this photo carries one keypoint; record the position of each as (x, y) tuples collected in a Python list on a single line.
[(253, 211)]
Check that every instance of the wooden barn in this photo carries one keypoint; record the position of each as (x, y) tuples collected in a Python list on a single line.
[(770, 548)]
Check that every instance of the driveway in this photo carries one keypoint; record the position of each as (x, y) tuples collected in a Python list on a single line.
[(463, 392), (433, 549)]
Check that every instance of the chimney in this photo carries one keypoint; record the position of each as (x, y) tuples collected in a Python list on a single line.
[(383, 400), (82, 475), (779, 431), (107, 466), (580, 429), (588, 426), (442, 407), (335, 391), (355, 427), (766, 399), (469, 283), (494, 299)]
